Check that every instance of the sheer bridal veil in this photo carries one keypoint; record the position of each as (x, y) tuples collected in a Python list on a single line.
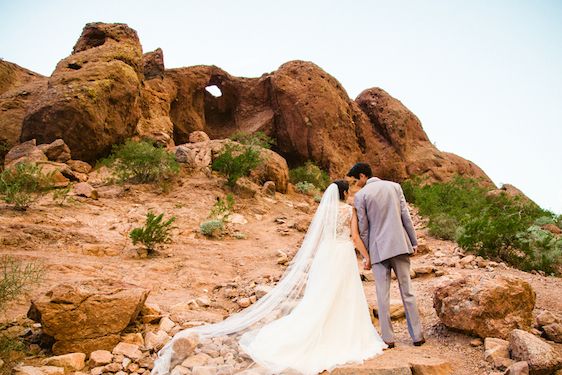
[(279, 302)]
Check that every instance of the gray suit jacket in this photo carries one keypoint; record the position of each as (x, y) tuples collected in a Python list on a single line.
[(385, 225)]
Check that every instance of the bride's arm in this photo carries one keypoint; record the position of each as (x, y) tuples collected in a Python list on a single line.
[(359, 245)]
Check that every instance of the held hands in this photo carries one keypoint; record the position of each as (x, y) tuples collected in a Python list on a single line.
[(366, 265)]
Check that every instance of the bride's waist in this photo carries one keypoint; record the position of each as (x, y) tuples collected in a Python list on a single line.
[(342, 239)]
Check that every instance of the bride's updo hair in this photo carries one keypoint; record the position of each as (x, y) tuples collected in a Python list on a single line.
[(343, 186)]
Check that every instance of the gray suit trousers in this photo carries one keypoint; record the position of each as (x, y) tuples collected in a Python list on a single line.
[(401, 266)]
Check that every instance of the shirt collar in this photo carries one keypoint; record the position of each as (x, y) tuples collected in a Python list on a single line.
[(373, 179)]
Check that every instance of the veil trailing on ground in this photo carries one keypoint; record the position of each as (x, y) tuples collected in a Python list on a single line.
[(279, 302)]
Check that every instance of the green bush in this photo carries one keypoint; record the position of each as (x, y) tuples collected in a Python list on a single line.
[(140, 162), (236, 161), (258, 138), (444, 226), (155, 231), (16, 277), (305, 187), (493, 226), (212, 228), (23, 184), (310, 173)]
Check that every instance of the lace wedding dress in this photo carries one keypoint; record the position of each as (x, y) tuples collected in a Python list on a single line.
[(316, 318)]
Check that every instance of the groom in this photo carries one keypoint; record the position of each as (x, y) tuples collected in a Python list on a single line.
[(387, 231)]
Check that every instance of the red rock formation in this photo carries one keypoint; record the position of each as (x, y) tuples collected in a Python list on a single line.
[(92, 100), (107, 91)]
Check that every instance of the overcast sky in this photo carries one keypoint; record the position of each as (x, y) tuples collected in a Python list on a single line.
[(483, 76)]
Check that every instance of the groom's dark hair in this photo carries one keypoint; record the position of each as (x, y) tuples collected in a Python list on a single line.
[(360, 168)]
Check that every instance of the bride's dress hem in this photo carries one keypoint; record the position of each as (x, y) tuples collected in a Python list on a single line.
[(365, 357)]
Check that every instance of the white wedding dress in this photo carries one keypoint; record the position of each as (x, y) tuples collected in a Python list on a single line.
[(315, 319)]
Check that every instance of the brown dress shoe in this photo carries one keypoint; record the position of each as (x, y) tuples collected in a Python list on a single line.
[(390, 345), (419, 343)]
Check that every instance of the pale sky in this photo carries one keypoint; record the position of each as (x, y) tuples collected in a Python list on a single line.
[(483, 76)]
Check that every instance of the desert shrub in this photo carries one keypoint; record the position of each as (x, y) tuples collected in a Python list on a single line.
[(8, 345), (258, 138), (493, 226), (155, 231), (16, 277), (444, 226), (236, 161), (304, 187), (140, 162), (212, 228), (310, 173), (22, 184), (222, 208)]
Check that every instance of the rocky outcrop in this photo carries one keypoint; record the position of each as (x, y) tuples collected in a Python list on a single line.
[(107, 90), (92, 99), (153, 64), (18, 88), (485, 306), (200, 156), (87, 316), (404, 132)]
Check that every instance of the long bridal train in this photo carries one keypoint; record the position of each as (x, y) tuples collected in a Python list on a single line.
[(316, 318)]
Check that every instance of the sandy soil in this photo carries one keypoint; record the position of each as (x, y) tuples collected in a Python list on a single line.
[(89, 239)]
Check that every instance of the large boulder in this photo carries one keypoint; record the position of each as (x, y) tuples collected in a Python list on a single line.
[(18, 88), (92, 99), (541, 357), (316, 120), (89, 315), (485, 306)]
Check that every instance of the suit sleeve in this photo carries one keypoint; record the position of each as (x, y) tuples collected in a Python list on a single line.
[(362, 219), (406, 219)]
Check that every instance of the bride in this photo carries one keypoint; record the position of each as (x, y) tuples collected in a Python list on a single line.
[(316, 318)]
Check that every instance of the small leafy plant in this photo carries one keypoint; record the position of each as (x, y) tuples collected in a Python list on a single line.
[(155, 231), (24, 183), (16, 277), (236, 161), (212, 228), (62, 195), (310, 173), (215, 225), (140, 162), (222, 207)]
